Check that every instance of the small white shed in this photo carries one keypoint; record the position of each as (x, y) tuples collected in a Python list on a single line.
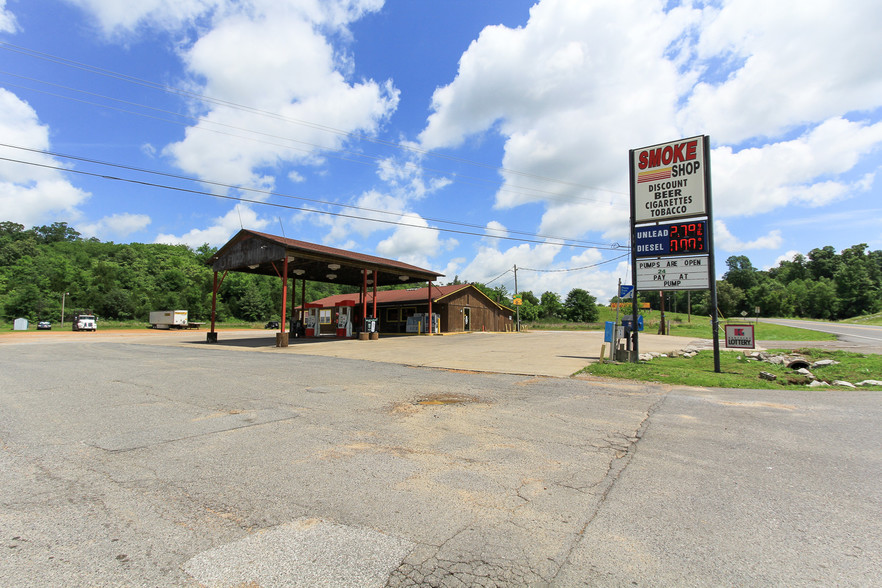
[(20, 324)]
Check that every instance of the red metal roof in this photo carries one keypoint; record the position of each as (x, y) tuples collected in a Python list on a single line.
[(399, 296), (349, 255), (261, 253)]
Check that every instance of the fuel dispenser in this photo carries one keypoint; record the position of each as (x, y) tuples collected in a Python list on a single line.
[(345, 313), (312, 327)]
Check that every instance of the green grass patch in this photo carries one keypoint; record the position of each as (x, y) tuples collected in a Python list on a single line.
[(739, 371), (682, 325), (870, 319)]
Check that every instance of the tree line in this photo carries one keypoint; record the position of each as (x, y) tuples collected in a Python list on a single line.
[(825, 284), (42, 267), (46, 266)]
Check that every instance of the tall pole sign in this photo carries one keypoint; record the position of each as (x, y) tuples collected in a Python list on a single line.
[(671, 182)]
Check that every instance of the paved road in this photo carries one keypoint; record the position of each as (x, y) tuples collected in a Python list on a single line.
[(858, 338), (124, 463)]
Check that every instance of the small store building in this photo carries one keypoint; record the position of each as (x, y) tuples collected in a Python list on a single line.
[(292, 261), (458, 308)]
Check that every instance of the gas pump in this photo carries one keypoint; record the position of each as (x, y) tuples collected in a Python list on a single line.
[(312, 320), (344, 318)]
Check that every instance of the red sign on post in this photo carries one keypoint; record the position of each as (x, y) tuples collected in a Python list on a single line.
[(740, 337)]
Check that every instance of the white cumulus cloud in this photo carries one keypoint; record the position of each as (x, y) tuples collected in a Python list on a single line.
[(781, 95), (32, 195), (274, 60), (115, 226), (726, 241), (221, 231)]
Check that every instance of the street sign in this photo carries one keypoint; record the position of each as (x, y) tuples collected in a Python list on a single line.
[(739, 336), (668, 180), (673, 273), (517, 301), (626, 291)]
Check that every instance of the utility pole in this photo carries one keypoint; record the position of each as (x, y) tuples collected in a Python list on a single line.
[(517, 308), (661, 328), (62, 308)]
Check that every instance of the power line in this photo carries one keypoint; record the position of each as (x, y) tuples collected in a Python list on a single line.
[(575, 269), (350, 156), (277, 205), (229, 104), (563, 241), (497, 277)]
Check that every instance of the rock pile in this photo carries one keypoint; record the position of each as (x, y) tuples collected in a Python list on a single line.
[(800, 364)]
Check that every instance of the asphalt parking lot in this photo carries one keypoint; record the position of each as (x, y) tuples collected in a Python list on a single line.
[(161, 461), (538, 353)]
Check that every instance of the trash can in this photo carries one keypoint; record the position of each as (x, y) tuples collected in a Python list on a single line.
[(370, 325)]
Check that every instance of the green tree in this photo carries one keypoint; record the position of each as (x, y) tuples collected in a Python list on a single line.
[(823, 262), (56, 232), (741, 272), (550, 305), (821, 301), (791, 270), (580, 306), (771, 297), (254, 305), (730, 299), (529, 310), (855, 289)]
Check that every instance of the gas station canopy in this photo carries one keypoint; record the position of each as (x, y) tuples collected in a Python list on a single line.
[(260, 253)]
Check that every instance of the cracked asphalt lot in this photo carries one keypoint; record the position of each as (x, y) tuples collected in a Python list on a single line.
[(147, 465)]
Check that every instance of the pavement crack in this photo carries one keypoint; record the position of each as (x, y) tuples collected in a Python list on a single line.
[(617, 466)]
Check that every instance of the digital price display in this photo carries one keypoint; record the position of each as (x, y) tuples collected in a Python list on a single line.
[(688, 237)]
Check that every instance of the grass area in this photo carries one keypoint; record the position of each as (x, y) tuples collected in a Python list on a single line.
[(682, 325), (870, 319), (738, 371)]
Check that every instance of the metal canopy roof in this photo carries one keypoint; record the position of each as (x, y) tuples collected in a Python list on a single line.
[(261, 253)]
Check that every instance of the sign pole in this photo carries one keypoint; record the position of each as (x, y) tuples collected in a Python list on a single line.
[(715, 320), (633, 254)]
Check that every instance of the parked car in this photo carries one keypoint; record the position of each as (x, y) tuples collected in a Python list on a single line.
[(271, 325), (44, 326)]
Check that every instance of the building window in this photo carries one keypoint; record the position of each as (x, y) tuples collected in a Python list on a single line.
[(393, 315), (325, 316)]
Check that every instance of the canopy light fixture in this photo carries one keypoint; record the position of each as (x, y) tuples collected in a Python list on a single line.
[(404, 278), (255, 266), (298, 272), (333, 266), (331, 276)]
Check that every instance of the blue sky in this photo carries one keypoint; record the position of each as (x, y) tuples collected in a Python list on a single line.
[(500, 118)]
